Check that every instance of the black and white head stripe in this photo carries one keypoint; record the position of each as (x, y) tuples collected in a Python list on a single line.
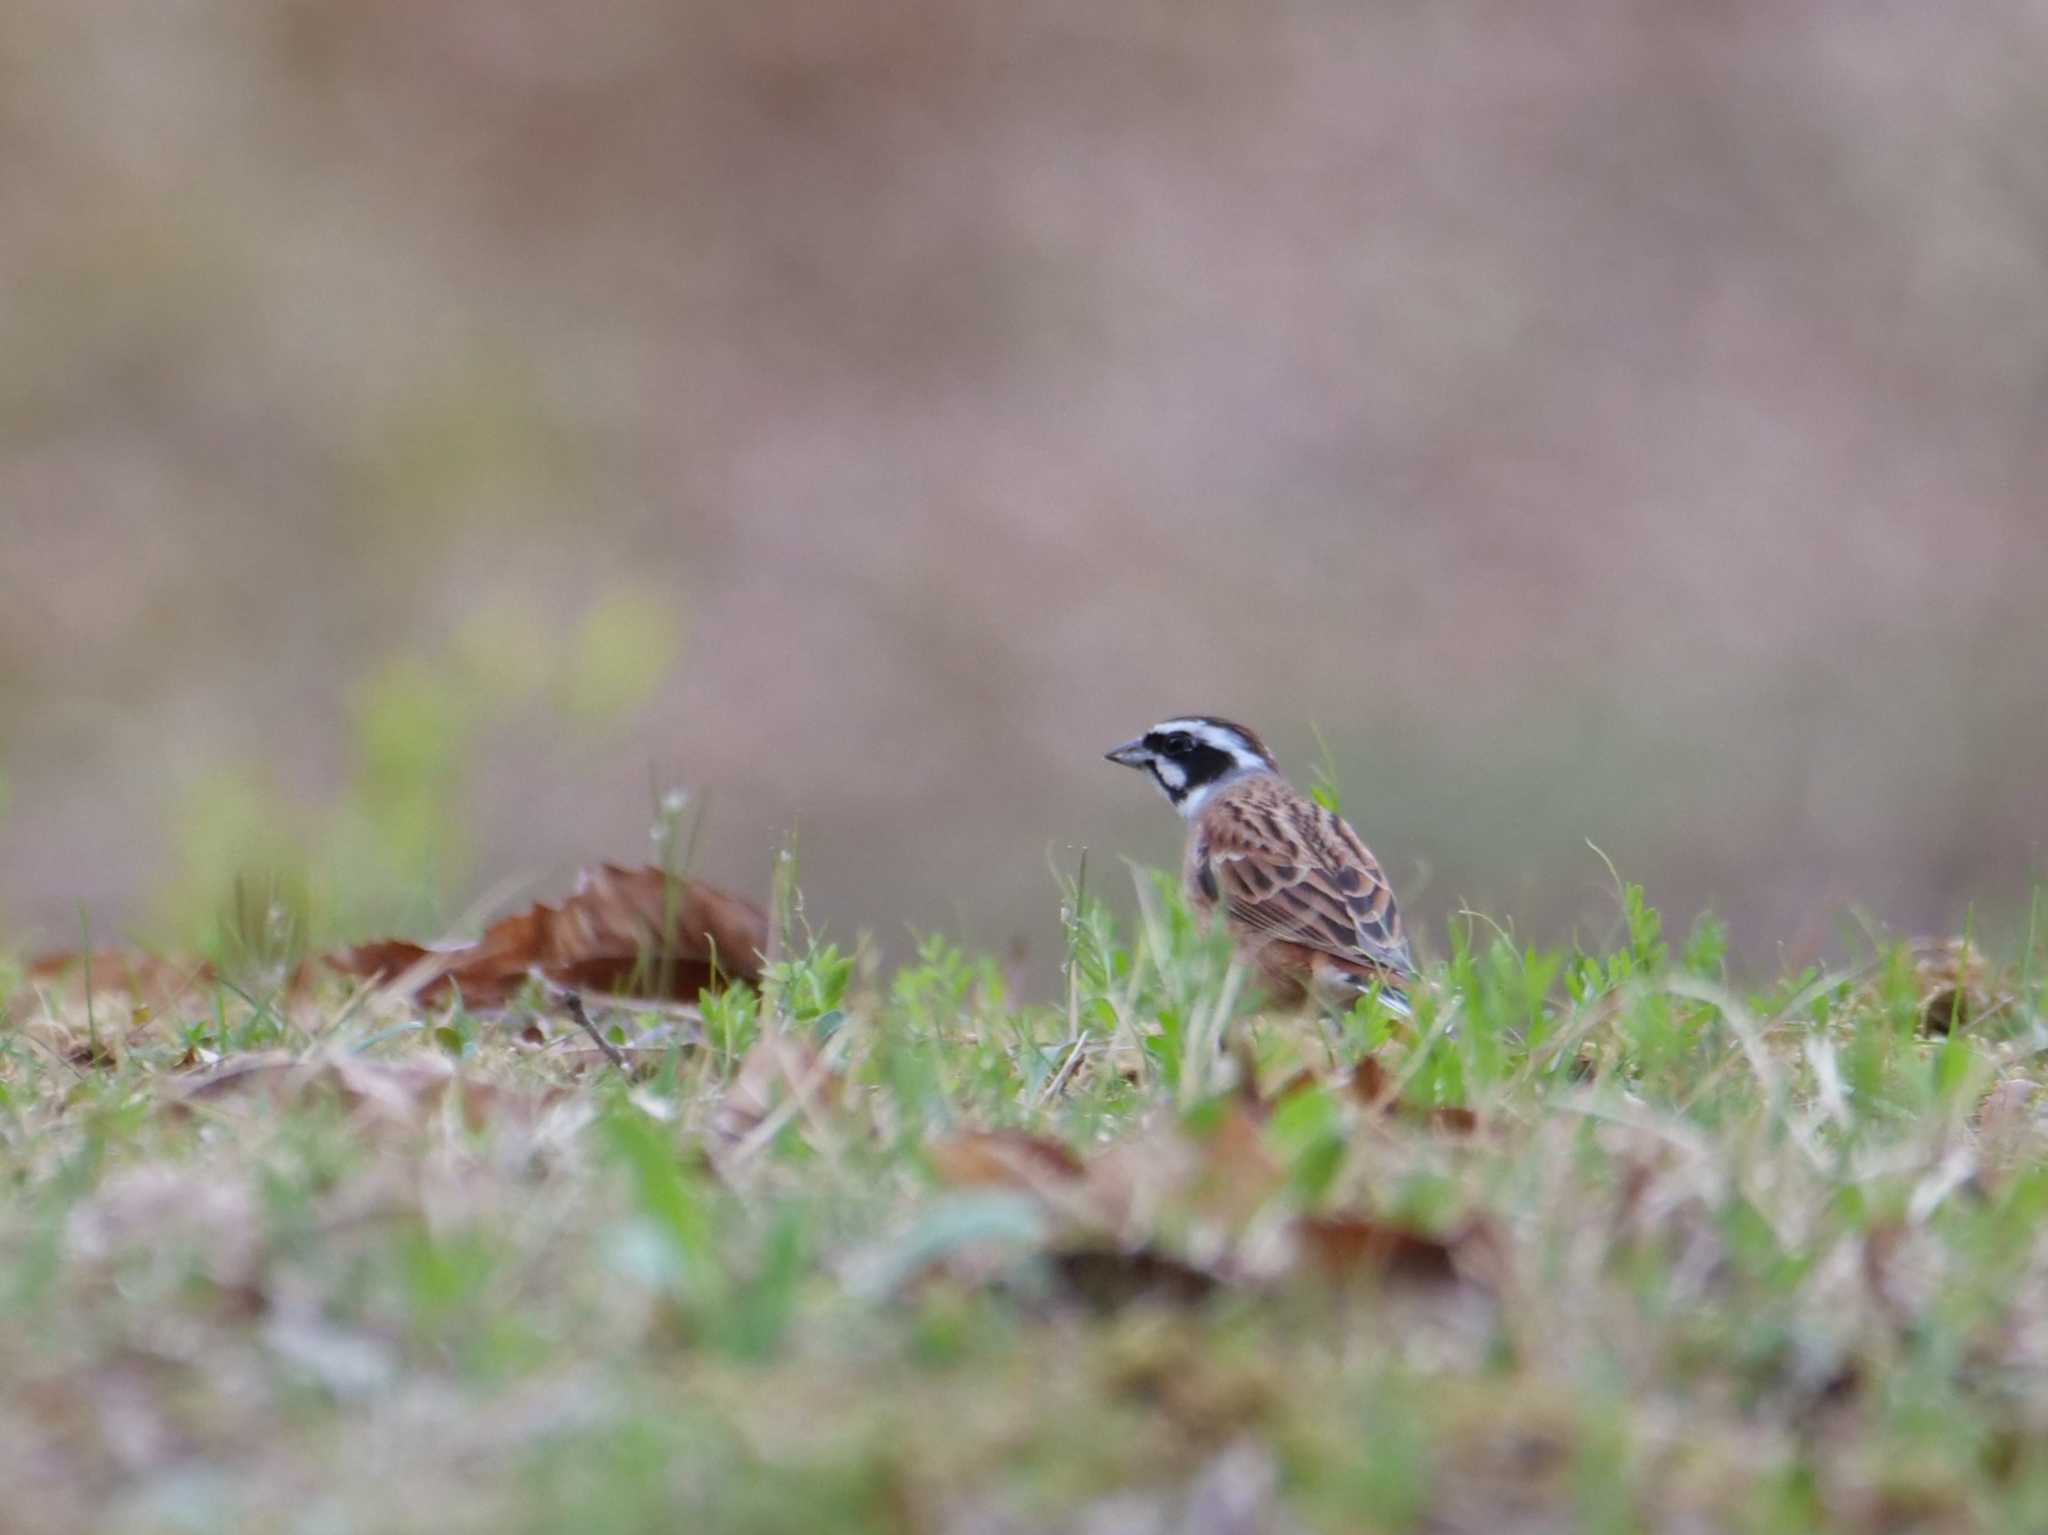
[(1193, 753), (1237, 742)]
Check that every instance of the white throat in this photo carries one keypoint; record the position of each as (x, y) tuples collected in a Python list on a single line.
[(1190, 805)]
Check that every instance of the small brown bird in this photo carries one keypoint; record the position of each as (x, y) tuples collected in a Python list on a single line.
[(1301, 895)]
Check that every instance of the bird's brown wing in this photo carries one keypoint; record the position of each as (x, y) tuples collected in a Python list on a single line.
[(1287, 870)]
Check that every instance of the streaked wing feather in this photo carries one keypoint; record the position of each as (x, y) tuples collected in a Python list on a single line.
[(1294, 872)]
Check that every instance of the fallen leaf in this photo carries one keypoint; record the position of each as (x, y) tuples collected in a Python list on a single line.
[(387, 961), (638, 930), (1002, 1159), (1371, 1083), (1455, 1120), (1237, 1173), (1340, 1247), (154, 983)]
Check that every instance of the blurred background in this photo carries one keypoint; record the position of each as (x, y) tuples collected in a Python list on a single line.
[(430, 432)]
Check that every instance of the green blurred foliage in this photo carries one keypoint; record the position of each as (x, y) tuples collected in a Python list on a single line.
[(400, 833), (626, 646), (503, 654), (242, 881), (1683, 1211), (481, 446), (396, 849)]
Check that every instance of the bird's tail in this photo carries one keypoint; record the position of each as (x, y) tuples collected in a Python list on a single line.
[(1393, 994)]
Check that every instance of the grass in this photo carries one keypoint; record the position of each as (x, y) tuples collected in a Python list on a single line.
[(1601, 1241)]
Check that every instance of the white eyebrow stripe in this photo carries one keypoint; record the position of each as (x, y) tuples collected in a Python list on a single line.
[(1228, 742)]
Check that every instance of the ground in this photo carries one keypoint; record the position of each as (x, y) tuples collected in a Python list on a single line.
[(1601, 1240)]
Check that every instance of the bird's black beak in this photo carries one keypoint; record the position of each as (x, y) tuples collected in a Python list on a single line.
[(1131, 753)]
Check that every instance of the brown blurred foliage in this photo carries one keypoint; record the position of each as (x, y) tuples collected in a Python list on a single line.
[(622, 930), (1604, 420)]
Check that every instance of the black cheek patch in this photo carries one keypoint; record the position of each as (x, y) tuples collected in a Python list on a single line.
[(1202, 763)]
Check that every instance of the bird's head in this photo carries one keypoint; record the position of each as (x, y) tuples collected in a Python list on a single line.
[(1192, 755)]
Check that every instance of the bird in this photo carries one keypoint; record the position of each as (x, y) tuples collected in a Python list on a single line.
[(1300, 894)]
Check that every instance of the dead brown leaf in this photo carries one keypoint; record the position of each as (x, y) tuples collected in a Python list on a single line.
[(1237, 1173), (150, 981), (639, 930), (1372, 1084), (1002, 1159), (1347, 1247)]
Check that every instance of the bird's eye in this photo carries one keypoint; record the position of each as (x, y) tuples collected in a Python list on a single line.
[(1180, 743)]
